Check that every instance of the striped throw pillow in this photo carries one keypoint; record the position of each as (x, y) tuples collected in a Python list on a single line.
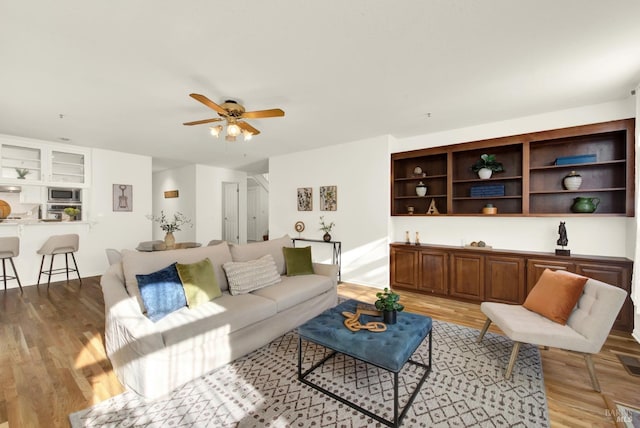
[(244, 277)]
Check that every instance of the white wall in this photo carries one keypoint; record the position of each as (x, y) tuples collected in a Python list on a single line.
[(184, 180), (200, 190), (108, 228), (360, 170), (633, 229), (209, 181)]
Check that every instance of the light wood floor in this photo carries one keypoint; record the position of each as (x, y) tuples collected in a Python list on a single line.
[(52, 358)]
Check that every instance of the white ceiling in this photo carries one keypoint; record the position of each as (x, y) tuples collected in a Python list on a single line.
[(120, 71)]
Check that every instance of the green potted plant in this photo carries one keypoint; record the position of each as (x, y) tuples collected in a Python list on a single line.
[(22, 173), (326, 228), (388, 303), (72, 212), (486, 166)]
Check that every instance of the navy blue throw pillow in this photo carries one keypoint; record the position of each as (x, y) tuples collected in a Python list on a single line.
[(161, 292)]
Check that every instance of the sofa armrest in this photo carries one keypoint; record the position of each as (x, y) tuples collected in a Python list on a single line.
[(327, 270), (128, 332)]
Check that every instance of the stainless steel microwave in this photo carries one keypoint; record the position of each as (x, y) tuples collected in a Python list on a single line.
[(59, 194)]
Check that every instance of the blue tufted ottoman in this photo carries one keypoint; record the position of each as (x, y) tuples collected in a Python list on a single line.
[(389, 350)]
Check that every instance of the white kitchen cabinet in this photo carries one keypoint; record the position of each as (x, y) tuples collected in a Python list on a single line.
[(68, 167), (32, 195), (15, 158), (48, 164)]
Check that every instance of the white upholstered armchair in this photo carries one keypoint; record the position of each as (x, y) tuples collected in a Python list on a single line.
[(586, 330)]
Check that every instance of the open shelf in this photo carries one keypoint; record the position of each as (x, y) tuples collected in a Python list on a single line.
[(533, 183)]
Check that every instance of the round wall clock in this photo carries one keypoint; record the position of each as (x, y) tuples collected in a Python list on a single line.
[(299, 226)]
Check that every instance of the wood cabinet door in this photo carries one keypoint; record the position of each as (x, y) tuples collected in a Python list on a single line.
[(467, 276), (404, 268), (434, 272), (535, 267), (617, 275), (504, 279)]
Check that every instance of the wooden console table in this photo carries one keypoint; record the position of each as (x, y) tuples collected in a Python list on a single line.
[(498, 275), (336, 255)]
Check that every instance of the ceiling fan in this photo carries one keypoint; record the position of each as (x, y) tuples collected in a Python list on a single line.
[(232, 112)]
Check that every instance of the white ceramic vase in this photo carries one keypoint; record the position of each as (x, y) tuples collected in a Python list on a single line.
[(484, 173), (421, 189), (572, 181)]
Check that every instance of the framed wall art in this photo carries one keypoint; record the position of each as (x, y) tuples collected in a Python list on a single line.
[(328, 198), (122, 197), (305, 199)]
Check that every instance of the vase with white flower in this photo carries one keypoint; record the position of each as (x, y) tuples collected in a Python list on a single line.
[(170, 225)]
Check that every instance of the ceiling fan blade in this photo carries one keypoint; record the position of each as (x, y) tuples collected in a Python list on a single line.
[(200, 122), (206, 101), (245, 126), (274, 112)]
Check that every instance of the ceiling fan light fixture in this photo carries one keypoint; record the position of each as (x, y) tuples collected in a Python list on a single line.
[(233, 130), (232, 114), (215, 130)]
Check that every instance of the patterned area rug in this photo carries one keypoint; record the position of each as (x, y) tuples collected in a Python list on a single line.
[(466, 388)]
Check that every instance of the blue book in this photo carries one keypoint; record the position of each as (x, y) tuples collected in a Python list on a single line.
[(567, 160)]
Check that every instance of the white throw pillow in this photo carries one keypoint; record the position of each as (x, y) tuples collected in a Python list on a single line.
[(244, 277)]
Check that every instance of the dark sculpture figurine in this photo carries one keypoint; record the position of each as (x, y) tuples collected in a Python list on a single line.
[(562, 241)]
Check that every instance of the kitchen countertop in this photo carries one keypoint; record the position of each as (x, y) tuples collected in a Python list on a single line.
[(32, 221)]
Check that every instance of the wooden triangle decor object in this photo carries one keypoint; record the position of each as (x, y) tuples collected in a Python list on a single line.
[(432, 207)]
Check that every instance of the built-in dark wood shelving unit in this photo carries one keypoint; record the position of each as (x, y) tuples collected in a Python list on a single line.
[(532, 181)]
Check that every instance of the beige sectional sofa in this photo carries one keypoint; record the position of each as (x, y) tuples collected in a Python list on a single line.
[(154, 358)]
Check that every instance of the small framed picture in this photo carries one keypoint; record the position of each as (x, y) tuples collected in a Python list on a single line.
[(305, 199), (328, 198), (122, 197)]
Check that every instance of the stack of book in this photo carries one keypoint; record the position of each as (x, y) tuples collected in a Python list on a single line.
[(487, 190)]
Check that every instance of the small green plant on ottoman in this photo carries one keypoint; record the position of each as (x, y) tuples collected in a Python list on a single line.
[(388, 303)]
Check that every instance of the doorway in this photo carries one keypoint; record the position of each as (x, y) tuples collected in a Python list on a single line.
[(230, 212), (252, 214)]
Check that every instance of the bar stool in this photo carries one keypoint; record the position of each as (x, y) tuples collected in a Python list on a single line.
[(9, 248), (60, 244)]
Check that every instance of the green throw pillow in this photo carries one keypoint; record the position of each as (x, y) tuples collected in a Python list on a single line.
[(298, 261), (199, 282)]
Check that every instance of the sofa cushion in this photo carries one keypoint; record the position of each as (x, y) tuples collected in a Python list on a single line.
[(199, 282), (187, 328), (245, 277), (253, 251), (555, 295), (294, 290), (142, 263), (161, 292), (298, 261)]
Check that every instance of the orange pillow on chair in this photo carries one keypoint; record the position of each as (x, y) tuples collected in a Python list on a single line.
[(555, 295)]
